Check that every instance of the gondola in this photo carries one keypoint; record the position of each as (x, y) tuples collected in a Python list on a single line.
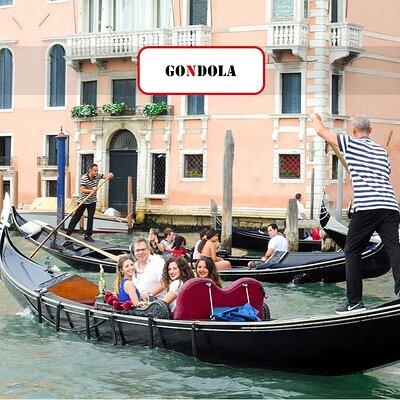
[(253, 239), (328, 345), (75, 255)]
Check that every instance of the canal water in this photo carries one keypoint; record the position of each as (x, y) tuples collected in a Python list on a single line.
[(38, 363)]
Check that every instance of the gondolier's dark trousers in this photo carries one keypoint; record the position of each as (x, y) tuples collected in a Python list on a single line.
[(91, 208), (362, 225)]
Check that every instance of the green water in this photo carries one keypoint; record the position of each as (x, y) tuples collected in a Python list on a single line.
[(38, 363)]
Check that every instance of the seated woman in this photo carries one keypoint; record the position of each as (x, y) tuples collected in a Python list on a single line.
[(175, 273), (205, 268), (155, 244), (178, 247), (124, 288), (209, 249)]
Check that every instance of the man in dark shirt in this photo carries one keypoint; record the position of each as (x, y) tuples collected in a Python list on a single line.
[(88, 183)]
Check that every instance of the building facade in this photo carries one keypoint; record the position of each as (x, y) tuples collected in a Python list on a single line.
[(335, 57)]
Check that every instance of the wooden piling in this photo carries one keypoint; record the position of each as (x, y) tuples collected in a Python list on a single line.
[(214, 214), (68, 185), (292, 226), (1, 191), (130, 204), (226, 234), (39, 184), (15, 190)]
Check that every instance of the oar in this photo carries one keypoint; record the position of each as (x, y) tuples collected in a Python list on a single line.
[(100, 251), (74, 210), (339, 155)]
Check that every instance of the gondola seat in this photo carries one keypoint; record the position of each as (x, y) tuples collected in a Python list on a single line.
[(193, 302)]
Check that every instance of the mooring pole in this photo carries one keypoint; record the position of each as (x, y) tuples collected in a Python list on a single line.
[(130, 204), (226, 234), (60, 139)]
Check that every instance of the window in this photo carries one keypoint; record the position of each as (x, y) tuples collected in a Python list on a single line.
[(283, 9), (160, 99), (6, 75), (335, 166), (6, 187), (5, 150), (193, 166), (336, 14), (195, 105), (89, 93), (94, 11), (291, 93), (198, 12), (86, 161), (336, 83), (289, 166), (158, 169), (163, 13), (51, 150), (51, 188), (124, 91), (305, 9), (6, 2), (57, 76)]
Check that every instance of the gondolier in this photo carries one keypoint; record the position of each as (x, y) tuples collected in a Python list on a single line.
[(375, 206), (88, 183)]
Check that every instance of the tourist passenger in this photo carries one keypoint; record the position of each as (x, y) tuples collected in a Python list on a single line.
[(148, 267), (124, 287), (178, 247), (167, 242), (301, 211), (155, 246), (208, 248), (175, 273), (277, 243), (88, 183), (375, 206), (205, 268), (196, 252)]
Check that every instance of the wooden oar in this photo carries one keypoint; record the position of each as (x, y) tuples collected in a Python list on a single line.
[(72, 212), (89, 246), (339, 155)]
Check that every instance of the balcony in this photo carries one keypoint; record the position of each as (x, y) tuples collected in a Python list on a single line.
[(346, 43), (98, 47), (48, 162), (287, 36)]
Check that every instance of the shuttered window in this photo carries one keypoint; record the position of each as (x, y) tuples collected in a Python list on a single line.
[(198, 12), (124, 91), (291, 93), (89, 93), (283, 9), (334, 11), (335, 94), (57, 76), (6, 72), (195, 105)]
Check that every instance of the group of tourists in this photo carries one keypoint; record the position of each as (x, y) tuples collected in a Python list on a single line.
[(153, 276)]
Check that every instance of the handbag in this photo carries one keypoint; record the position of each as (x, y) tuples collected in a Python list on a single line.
[(245, 313)]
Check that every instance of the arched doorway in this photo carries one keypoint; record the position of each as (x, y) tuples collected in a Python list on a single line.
[(123, 163)]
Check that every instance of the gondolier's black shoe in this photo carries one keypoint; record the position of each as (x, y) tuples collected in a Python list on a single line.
[(351, 308), (56, 246), (88, 238)]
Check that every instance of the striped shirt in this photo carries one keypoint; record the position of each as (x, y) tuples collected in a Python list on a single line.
[(369, 169), (89, 184)]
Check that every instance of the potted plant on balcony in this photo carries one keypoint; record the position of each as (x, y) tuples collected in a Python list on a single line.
[(114, 109), (154, 109), (83, 111)]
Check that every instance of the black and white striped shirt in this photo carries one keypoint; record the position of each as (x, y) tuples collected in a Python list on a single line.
[(369, 169), (89, 184)]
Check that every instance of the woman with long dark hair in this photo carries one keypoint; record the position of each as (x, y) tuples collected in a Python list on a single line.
[(209, 249), (205, 268)]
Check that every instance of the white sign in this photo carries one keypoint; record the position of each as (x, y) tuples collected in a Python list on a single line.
[(201, 70)]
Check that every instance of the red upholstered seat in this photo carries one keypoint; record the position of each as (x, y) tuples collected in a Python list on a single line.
[(193, 302)]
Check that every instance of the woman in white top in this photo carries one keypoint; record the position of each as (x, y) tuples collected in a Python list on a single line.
[(175, 273)]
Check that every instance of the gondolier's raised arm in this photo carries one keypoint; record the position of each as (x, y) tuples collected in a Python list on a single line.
[(324, 132)]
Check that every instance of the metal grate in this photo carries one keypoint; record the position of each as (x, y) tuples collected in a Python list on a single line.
[(86, 161), (51, 188), (193, 167), (158, 161), (289, 166)]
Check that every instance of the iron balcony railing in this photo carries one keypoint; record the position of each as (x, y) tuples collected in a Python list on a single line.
[(49, 161)]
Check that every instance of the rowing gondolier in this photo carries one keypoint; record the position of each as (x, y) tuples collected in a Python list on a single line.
[(88, 183), (375, 206)]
